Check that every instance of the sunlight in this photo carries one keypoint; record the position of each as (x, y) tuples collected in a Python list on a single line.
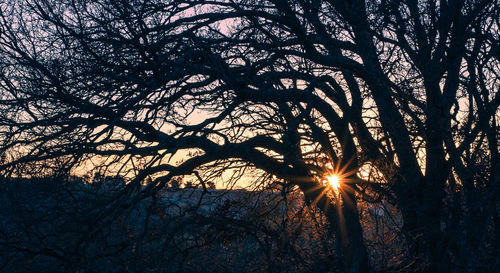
[(334, 181)]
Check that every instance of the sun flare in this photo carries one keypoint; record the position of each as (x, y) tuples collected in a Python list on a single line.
[(334, 181)]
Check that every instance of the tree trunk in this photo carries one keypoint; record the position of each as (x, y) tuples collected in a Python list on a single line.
[(344, 220)]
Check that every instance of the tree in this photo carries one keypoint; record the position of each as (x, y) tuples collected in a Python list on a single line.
[(293, 90)]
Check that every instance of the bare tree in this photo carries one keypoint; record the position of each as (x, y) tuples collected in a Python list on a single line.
[(291, 90)]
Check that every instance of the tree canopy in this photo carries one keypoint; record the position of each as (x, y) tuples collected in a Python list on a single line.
[(398, 98)]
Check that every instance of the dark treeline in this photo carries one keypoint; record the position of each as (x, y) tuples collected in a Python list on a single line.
[(53, 225)]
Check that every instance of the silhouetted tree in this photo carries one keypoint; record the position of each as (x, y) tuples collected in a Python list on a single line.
[(288, 90)]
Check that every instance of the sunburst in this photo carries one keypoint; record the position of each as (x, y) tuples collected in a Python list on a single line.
[(333, 181)]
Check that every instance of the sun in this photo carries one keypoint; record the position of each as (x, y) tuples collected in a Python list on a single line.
[(334, 181)]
